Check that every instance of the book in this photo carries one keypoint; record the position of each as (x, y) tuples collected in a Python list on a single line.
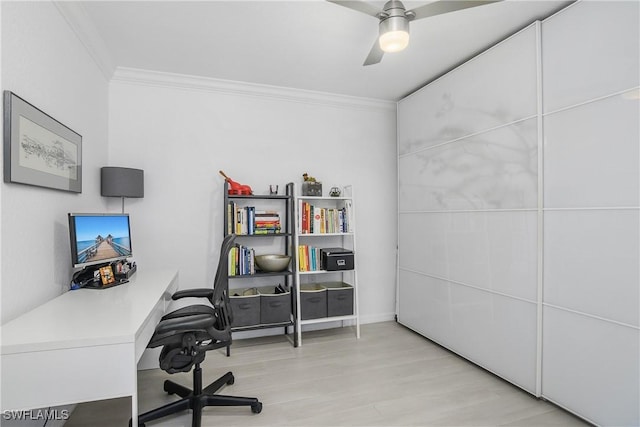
[(348, 217), (230, 213), (232, 261), (304, 218), (317, 218), (263, 231), (301, 259)]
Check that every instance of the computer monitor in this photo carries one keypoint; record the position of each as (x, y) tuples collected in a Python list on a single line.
[(99, 238)]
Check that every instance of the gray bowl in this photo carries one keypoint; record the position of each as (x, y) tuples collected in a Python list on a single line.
[(273, 262)]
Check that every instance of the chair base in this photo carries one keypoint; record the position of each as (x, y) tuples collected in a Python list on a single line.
[(198, 398)]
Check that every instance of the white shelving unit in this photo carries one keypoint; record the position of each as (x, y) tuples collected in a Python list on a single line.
[(318, 239)]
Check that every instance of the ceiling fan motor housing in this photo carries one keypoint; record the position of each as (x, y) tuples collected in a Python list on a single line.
[(393, 19)]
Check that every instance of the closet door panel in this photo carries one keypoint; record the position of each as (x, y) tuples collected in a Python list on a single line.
[(457, 105), (591, 367), (491, 250), (591, 154), (424, 306), (495, 332), (589, 50), (592, 262), (424, 246), (495, 251), (493, 170)]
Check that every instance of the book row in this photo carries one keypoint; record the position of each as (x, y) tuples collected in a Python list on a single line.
[(318, 220), (241, 261), (309, 258), (247, 220)]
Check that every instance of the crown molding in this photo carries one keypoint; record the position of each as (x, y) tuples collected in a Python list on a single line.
[(188, 82), (80, 22)]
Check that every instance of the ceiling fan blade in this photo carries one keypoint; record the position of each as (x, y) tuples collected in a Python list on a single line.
[(375, 55), (440, 7), (359, 6)]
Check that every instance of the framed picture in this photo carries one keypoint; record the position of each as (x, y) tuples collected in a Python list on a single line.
[(106, 275), (38, 149)]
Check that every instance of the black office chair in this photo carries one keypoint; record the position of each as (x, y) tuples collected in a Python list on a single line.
[(186, 335)]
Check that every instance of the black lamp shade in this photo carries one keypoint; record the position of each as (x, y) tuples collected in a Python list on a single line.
[(121, 182)]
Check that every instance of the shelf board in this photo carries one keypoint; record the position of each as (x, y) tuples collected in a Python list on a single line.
[(259, 196), (324, 234), (261, 326), (328, 319), (261, 274), (264, 235), (323, 198), (302, 273)]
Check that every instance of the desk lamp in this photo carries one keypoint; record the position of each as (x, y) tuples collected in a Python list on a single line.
[(121, 182)]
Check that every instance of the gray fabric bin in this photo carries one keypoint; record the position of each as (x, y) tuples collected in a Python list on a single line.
[(313, 301), (339, 298), (245, 306), (274, 308)]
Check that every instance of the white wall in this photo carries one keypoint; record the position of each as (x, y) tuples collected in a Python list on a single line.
[(182, 130), (520, 210), (45, 63)]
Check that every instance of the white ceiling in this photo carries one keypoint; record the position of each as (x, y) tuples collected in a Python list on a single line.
[(304, 44)]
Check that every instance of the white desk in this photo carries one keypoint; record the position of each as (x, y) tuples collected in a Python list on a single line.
[(83, 345)]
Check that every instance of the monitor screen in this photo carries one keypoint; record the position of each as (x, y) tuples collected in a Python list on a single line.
[(99, 238)]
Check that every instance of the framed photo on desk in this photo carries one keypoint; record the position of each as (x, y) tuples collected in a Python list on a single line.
[(106, 276)]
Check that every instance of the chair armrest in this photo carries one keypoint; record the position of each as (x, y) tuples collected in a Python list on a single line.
[(188, 323), (195, 293)]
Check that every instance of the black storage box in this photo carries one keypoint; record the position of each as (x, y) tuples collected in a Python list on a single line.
[(336, 259), (339, 299), (274, 307), (245, 306), (312, 189), (313, 301)]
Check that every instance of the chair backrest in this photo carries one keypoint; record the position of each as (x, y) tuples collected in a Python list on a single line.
[(220, 298)]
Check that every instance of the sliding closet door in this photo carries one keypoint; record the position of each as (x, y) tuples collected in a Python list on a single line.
[(520, 210), (591, 356), (468, 200)]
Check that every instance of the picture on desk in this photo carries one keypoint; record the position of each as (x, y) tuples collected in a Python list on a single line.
[(106, 275), (100, 237)]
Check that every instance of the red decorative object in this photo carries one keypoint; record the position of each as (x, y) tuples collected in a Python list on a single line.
[(235, 188)]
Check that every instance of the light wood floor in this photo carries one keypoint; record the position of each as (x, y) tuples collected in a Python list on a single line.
[(389, 377)]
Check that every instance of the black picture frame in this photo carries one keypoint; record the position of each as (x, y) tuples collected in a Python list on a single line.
[(38, 149)]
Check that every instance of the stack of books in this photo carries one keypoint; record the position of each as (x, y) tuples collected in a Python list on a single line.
[(246, 220), (266, 222)]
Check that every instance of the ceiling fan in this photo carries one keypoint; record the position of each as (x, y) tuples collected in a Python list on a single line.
[(394, 21)]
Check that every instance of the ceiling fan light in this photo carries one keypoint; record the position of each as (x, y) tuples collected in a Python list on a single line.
[(394, 41), (394, 32)]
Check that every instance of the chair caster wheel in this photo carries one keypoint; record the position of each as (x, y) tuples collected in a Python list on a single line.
[(231, 381), (167, 388), (256, 408)]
